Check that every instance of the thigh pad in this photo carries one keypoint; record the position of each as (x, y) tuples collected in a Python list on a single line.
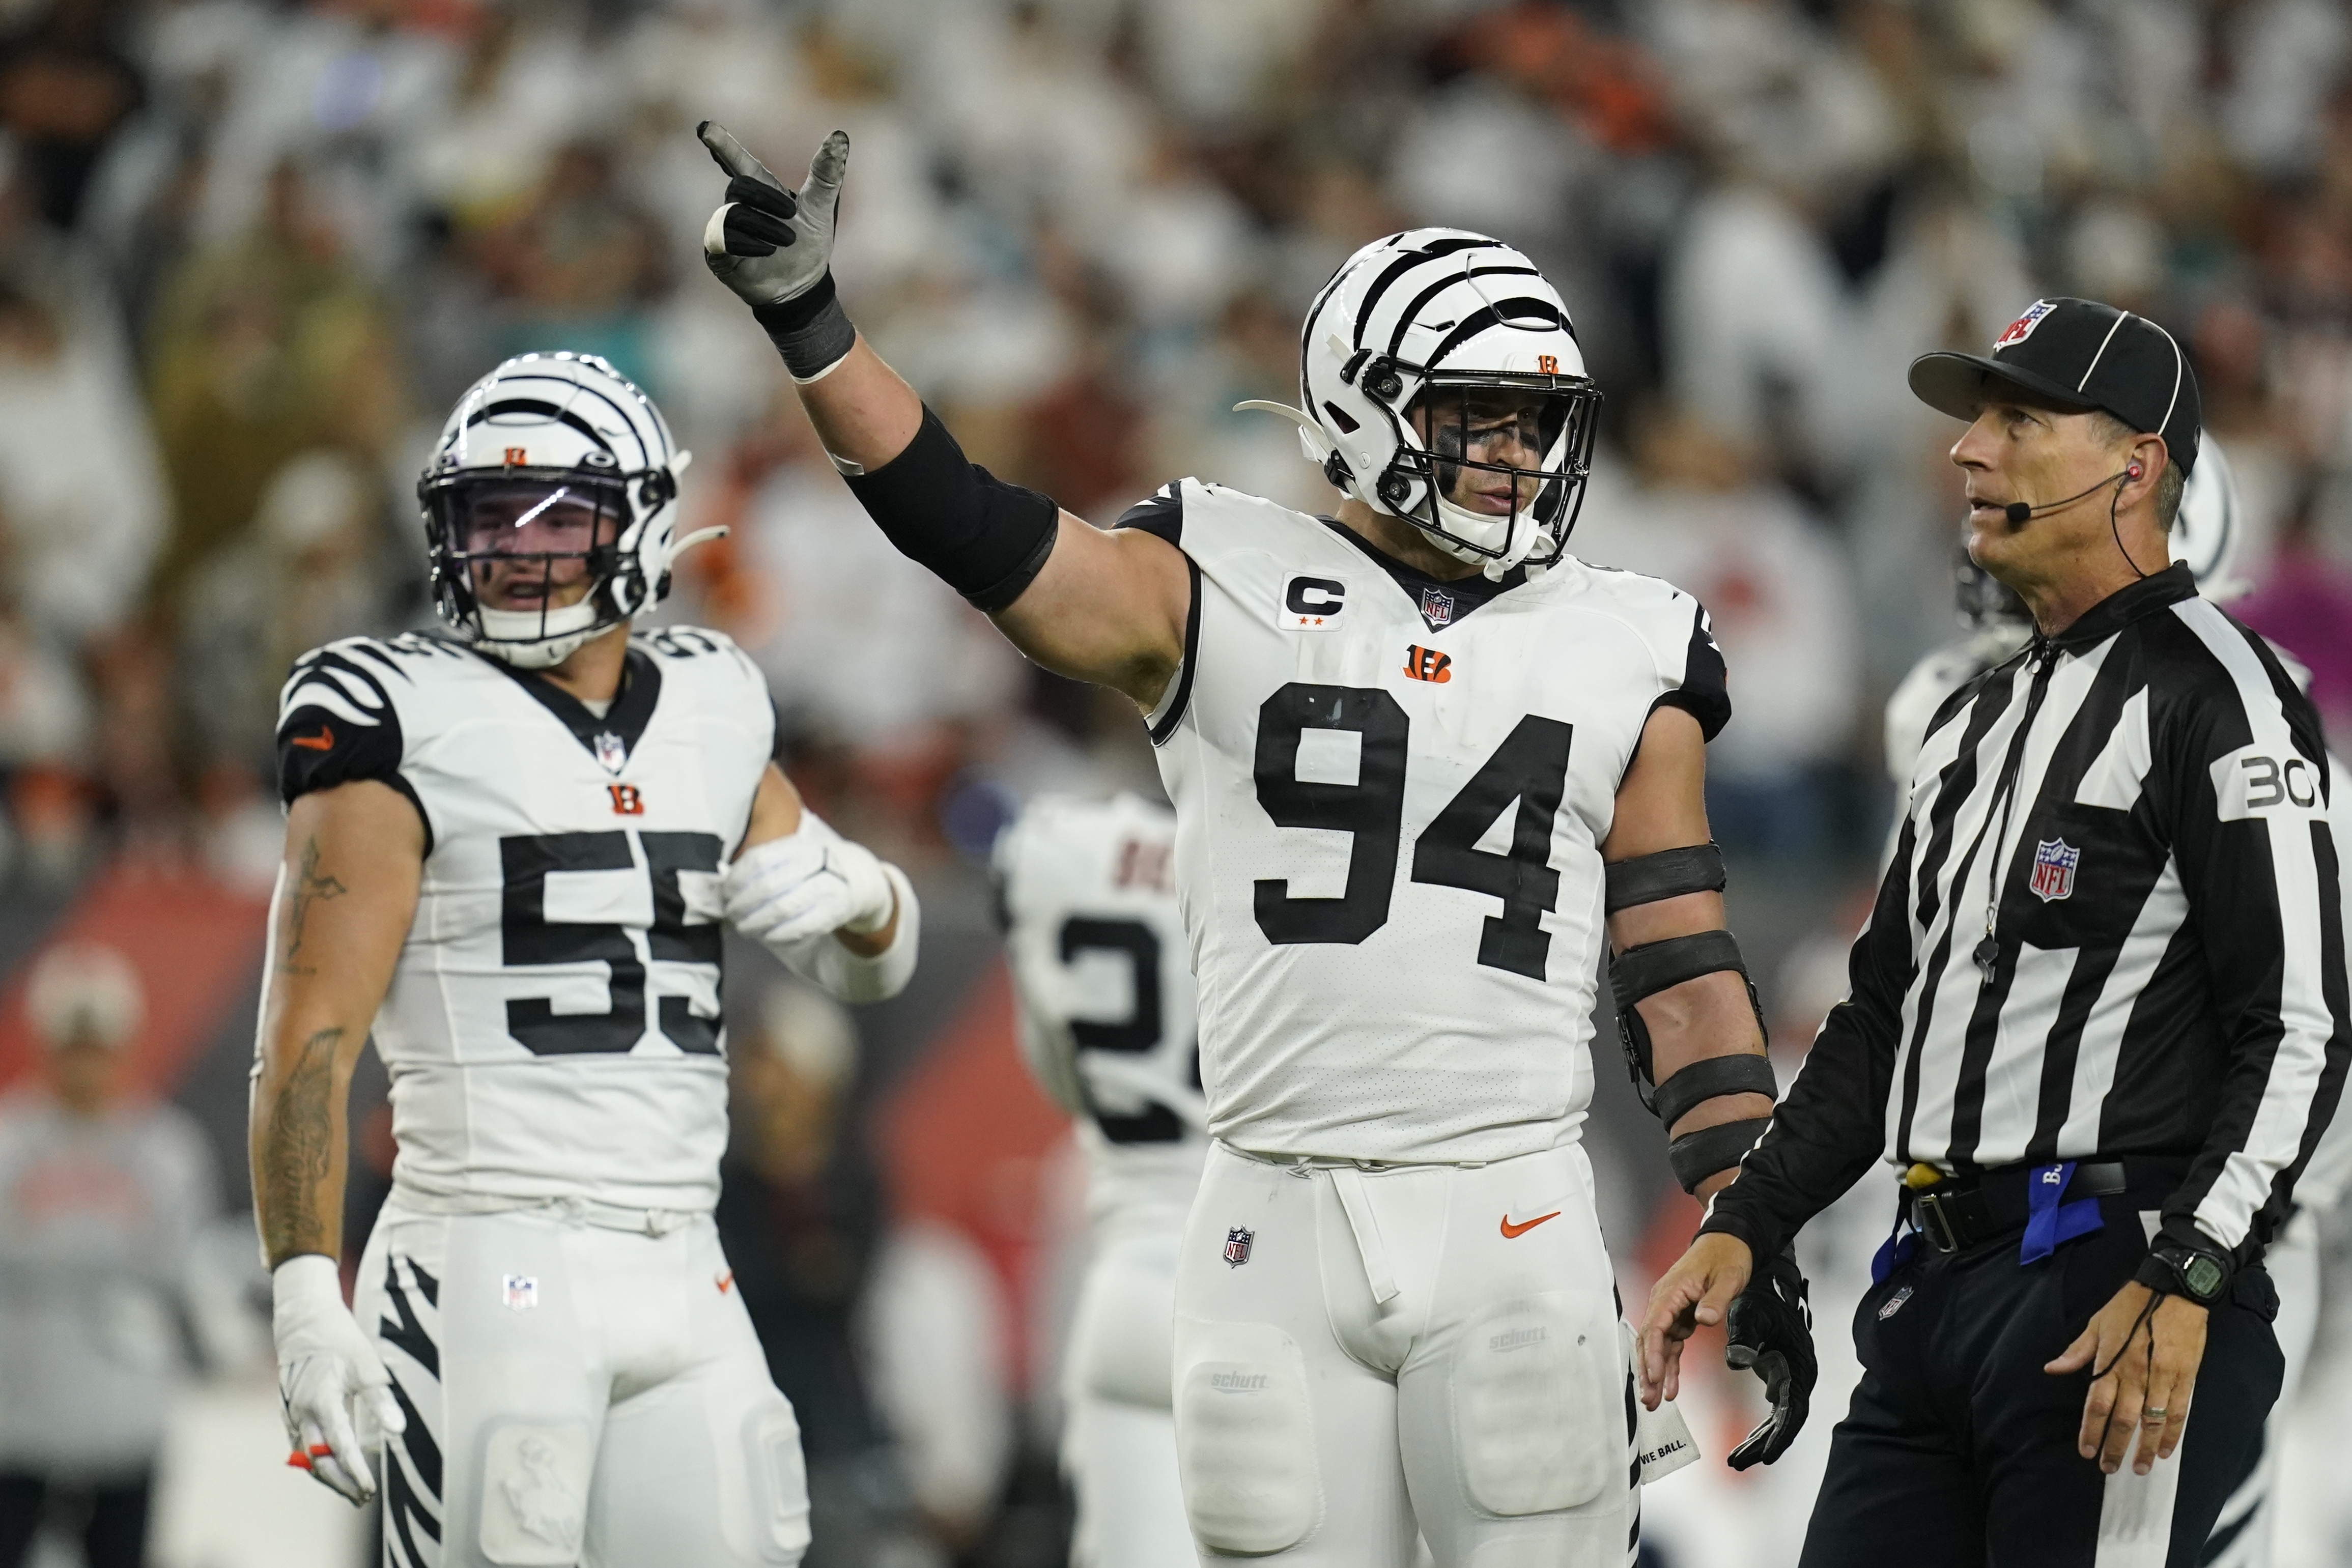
[(1245, 1437), (535, 1494), (1539, 1403)]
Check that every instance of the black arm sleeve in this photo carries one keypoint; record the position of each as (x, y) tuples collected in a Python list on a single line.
[(986, 539), (1831, 1126)]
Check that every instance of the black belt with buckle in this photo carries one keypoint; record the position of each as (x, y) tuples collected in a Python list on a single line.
[(1963, 1211)]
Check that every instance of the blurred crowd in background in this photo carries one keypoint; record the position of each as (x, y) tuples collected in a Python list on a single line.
[(249, 254)]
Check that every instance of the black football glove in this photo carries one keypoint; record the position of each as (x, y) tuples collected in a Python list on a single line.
[(766, 242), (1770, 1333)]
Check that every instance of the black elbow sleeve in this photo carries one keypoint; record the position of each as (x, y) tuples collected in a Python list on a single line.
[(986, 539)]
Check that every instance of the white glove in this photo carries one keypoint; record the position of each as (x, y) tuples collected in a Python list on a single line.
[(324, 1362), (810, 882), (765, 243)]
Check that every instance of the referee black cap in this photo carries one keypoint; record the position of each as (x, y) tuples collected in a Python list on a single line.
[(2077, 354)]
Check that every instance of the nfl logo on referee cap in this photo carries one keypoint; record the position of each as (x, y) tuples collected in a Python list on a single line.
[(2054, 861), (1237, 1245)]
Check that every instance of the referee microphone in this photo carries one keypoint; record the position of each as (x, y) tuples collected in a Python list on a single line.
[(2018, 512)]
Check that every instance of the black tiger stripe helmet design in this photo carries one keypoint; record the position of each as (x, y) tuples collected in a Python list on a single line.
[(554, 430), (1441, 382)]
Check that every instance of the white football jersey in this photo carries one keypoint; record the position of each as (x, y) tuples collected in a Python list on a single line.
[(552, 1028), (1103, 969), (1390, 793)]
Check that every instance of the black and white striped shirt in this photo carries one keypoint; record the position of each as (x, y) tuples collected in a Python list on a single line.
[(2162, 972)]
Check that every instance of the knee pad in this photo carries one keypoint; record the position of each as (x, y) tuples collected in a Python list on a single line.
[(779, 1475), (1538, 1412), (1245, 1437), (535, 1494)]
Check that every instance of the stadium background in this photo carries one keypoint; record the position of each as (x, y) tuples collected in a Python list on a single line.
[(248, 254)]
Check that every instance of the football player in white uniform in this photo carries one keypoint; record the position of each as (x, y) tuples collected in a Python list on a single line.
[(1096, 945), (2207, 535), (1401, 743), (509, 855)]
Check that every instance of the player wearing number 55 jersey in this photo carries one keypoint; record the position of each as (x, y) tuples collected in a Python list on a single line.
[(1099, 957), (509, 856), (1402, 743)]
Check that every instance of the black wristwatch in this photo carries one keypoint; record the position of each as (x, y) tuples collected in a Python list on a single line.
[(2200, 1273)]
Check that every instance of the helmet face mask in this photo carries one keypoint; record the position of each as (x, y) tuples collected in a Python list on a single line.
[(1484, 449), (1441, 382), (525, 559)]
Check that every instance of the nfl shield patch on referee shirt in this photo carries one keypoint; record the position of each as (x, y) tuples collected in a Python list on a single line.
[(2054, 861)]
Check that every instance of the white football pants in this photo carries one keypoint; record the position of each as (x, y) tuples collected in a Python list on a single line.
[(576, 1395), (1119, 1436), (1359, 1351)]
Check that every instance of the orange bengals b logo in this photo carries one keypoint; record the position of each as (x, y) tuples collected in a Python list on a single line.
[(515, 457), (1428, 665), (1547, 364), (627, 801)]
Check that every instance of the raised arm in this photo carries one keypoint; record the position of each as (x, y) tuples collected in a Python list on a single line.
[(1103, 606), (346, 894)]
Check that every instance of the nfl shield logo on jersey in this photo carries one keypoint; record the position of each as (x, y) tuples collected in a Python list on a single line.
[(614, 755), (522, 1292), (1237, 1245), (1436, 607), (2053, 869)]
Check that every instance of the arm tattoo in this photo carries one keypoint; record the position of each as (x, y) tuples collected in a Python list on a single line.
[(309, 887), (298, 1151)]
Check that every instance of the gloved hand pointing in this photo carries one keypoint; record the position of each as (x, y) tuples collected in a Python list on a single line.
[(765, 243)]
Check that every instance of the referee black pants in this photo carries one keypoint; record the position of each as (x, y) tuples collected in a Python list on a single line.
[(1960, 1451)]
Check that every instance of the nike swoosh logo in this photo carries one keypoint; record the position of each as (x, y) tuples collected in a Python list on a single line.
[(1513, 1232), (322, 741), (725, 1280)]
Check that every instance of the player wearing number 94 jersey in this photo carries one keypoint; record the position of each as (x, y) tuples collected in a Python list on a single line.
[(1423, 760), (509, 856), (1097, 945)]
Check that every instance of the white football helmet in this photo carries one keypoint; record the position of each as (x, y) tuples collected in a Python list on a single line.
[(541, 432), (2210, 528), (1410, 318)]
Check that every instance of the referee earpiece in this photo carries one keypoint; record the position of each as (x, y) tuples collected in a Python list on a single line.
[(2132, 472)]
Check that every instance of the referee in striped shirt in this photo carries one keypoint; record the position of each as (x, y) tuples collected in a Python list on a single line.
[(2096, 1023)]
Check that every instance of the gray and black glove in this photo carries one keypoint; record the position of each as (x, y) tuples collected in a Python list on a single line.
[(774, 249), (1769, 1330)]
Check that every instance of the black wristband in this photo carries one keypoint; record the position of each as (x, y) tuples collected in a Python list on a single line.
[(810, 329)]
